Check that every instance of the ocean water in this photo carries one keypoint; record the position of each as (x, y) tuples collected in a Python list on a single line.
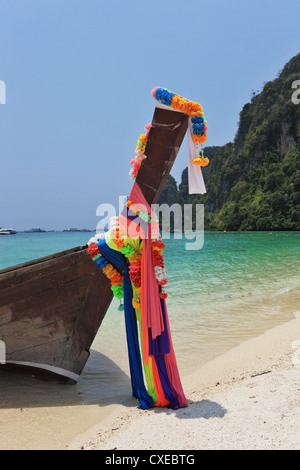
[(238, 285)]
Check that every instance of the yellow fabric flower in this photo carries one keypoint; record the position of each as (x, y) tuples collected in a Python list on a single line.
[(200, 161)]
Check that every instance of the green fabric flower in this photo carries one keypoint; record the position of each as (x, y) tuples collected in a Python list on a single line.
[(127, 250), (118, 291)]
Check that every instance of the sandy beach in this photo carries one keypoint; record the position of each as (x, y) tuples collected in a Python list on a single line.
[(247, 398)]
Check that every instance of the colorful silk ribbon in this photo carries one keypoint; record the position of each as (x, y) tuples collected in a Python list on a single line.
[(135, 366), (159, 360)]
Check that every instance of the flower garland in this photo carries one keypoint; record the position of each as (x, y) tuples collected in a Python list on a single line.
[(194, 110), (159, 266), (199, 126), (135, 277), (157, 246), (200, 161), (140, 153), (134, 259), (116, 279)]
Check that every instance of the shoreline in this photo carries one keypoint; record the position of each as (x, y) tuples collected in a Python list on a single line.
[(247, 398)]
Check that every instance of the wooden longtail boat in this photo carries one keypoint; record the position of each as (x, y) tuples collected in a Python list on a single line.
[(51, 308)]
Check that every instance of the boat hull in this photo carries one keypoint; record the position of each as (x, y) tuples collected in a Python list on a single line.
[(50, 312)]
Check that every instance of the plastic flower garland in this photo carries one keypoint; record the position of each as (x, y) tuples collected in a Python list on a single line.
[(159, 266), (135, 258), (200, 161), (140, 153), (116, 279), (193, 109), (135, 271)]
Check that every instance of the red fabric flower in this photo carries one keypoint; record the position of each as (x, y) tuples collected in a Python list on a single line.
[(93, 250), (163, 295), (158, 259), (135, 273), (159, 244), (116, 279)]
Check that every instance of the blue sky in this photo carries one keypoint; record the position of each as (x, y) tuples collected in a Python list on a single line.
[(79, 76)]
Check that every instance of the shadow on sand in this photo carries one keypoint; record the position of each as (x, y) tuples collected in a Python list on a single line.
[(102, 382), (198, 409), (201, 409)]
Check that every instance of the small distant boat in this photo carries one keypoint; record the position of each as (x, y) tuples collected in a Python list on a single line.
[(76, 230), (35, 230), (7, 231)]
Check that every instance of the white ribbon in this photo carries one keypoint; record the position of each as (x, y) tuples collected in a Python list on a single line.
[(196, 181)]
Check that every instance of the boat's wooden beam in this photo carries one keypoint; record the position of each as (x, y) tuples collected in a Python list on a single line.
[(164, 140)]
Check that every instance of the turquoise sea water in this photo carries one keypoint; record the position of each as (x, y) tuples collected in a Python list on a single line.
[(237, 286)]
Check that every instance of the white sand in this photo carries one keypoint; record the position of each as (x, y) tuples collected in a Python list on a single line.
[(248, 398)]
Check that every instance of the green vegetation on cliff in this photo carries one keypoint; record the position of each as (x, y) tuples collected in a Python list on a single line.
[(253, 183)]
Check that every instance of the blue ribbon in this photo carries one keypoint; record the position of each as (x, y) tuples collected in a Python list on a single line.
[(136, 372)]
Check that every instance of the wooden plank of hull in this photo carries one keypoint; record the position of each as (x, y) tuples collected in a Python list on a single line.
[(51, 308)]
